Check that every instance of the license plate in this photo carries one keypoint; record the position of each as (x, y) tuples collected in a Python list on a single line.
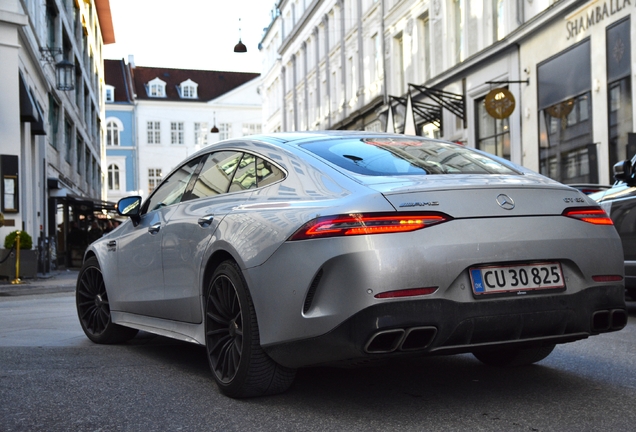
[(516, 278)]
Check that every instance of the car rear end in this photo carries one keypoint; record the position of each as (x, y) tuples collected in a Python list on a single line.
[(461, 263)]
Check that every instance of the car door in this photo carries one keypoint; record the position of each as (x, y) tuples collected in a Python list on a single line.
[(192, 227), (139, 255)]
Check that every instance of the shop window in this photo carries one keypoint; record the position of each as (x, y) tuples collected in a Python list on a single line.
[(493, 135), (619, 86), (566, 144)]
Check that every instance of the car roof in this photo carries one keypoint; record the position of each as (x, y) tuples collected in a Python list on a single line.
[(297, 138)]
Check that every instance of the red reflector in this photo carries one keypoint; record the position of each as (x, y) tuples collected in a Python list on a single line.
[(367, 223), (607, 278), (406, 293), (593, 215)]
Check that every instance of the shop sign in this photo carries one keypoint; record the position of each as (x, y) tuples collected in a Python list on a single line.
[(500, 103), (593, 15)]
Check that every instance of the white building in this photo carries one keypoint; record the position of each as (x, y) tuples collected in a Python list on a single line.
[(534, 81), (51, 126), (176, 113)]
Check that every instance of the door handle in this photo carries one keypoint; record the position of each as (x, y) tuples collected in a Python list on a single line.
[(205, 221), (154, 229)]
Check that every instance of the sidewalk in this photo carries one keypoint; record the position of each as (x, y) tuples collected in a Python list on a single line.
[(55, 282)]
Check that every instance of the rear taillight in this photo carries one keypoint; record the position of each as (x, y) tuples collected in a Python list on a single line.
[(593, 215), (367, 223)]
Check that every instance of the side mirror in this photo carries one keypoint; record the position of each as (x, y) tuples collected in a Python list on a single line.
[(129, 206), (623, 171)]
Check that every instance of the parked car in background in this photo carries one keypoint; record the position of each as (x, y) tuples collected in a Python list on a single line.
[(589, 188), (619, 202), (338, 248)]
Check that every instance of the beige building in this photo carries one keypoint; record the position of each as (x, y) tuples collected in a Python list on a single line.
[(51, 116), (533, 81)]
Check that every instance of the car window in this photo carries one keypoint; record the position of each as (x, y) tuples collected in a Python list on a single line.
[(171, 190), (216, 174), (267, 172), (409, 156), (245, 176)]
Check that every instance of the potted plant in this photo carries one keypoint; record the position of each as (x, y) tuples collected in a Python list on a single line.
[(28, 256)]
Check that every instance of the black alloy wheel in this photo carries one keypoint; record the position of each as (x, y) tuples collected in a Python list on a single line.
[(93, 308), (225, 329), (240, 366)]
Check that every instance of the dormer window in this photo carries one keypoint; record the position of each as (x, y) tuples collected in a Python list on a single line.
[(157, 88), (110, 93), (188, 89)]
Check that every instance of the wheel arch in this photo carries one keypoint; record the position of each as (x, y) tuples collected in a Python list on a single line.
[(211, 265)]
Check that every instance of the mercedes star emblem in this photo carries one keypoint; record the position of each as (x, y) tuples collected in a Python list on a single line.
[(505, 202)]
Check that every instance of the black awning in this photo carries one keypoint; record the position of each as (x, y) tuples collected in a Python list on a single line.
[(30, 110), (565, 75)]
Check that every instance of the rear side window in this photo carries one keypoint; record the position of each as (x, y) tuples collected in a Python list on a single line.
[(267, 172), (409, 156), (216, 174), (245, 175)]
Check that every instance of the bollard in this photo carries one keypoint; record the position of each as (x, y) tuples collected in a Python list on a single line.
[(17, 280)]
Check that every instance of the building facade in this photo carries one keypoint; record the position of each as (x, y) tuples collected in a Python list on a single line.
[(156, 117), (544, 83), (51, 120)]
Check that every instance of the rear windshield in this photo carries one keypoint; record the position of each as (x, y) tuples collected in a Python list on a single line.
[(391, 156)]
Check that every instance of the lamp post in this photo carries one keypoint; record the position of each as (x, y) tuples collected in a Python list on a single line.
[(64, 70), (65, 75)]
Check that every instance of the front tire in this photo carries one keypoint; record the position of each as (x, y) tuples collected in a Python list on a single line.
[(514, 357), (93, 308), (239, 365)]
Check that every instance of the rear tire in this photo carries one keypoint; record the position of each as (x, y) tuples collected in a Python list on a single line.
[(514, 357), (239, 365), (93, 308)]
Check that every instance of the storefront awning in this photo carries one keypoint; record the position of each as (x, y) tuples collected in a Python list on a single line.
[(30, 110)]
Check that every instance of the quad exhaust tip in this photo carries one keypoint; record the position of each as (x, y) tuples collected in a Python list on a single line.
[(409, 339), (609, 320)]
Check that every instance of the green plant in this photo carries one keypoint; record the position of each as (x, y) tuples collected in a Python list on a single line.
[(26, 242)]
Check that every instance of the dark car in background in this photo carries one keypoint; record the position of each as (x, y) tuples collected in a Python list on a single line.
[(619, 202)]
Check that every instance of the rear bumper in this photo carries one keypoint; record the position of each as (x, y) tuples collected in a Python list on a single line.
[(441, 326)]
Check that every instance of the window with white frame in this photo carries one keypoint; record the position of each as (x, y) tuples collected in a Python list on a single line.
[(113, 178), (225, 130), (252, 128), (154, 132), (188, 89), (201, 134), (424, 47), (398, 64), (112, 133), (154, 178), (176, 133), (156, 88), (109, 93)]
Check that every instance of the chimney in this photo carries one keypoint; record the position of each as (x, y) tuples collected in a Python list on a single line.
[(131, 60)]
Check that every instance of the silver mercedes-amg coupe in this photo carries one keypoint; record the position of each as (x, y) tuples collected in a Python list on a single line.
[(282, 251)]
